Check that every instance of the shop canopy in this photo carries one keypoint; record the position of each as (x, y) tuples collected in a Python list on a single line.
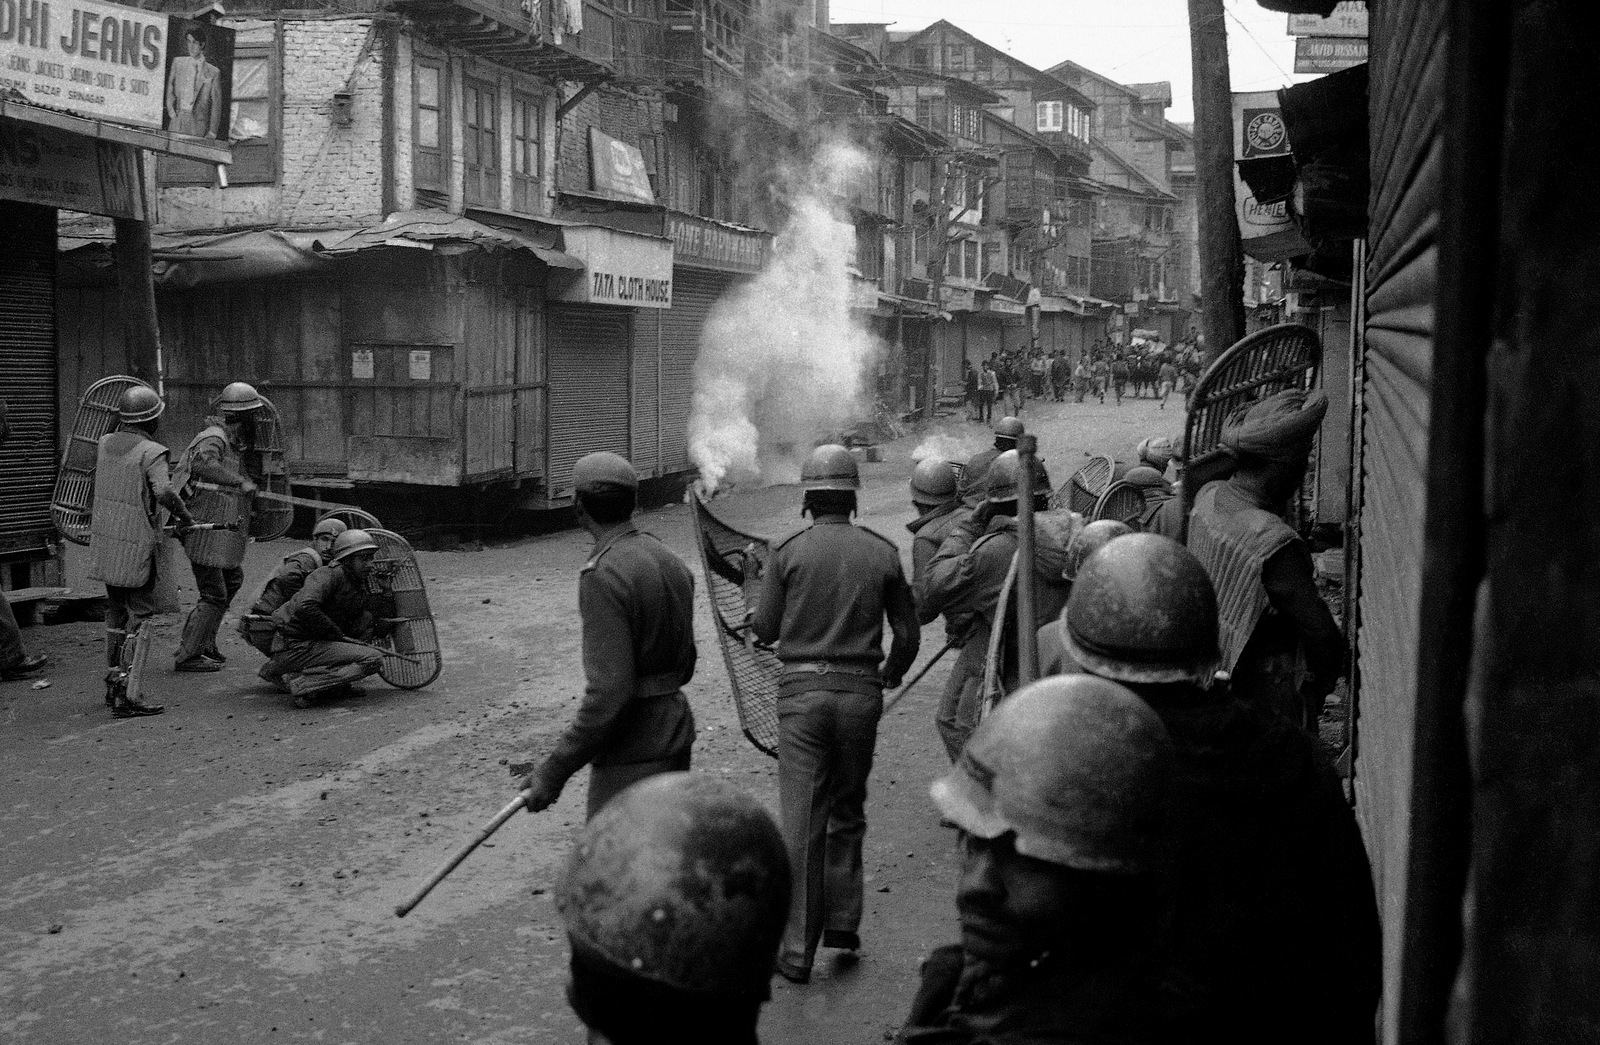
[(199, 259)]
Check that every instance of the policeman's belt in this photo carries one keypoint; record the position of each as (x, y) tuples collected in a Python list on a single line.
[(658, 685), (825, 667)]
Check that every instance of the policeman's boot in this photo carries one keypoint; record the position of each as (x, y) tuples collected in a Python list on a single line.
[(122, 705), (199, 631)]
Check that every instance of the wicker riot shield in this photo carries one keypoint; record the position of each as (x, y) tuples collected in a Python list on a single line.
[(415, 638), (1265, 363), (734, 563), (1082, 491), (74, 493), (1123, 502), (267, 464)]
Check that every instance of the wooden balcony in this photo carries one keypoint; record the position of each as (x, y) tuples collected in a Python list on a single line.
[(505, 31)]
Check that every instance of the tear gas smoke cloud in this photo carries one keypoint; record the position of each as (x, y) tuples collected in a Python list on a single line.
[(943, 446), (783, 362)]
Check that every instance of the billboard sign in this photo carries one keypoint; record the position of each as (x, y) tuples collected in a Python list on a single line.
[(1348, 19), (57, 168), (121, 64), (1267, 231), (618, 168), (1328, 54)]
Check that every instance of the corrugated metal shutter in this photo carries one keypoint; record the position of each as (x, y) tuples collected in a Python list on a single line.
[(693, 294), (589, 397), (27, 376), (646, 390), (1407, 69)]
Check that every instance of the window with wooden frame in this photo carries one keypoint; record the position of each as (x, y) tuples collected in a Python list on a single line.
[(480, 142), (527, 119), (430, 130), (969, 259), (1048, 117), (724, 35), (253, 126)]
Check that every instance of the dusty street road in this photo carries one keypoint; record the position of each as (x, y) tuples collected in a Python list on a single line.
[(226, 872)]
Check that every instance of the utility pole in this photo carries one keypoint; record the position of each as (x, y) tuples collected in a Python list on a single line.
[(140, 331), (938, 247), (1221, 254)]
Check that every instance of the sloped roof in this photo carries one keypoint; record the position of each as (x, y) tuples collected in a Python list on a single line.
[(1138, 183), (1054, 82)]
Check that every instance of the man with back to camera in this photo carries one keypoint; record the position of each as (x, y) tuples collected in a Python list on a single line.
[(636, 604), (133, 493), (824, 600), (1272, 934)]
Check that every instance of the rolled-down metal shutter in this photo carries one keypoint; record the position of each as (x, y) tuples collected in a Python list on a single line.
[(1407, 70), (27, 377), (589, 392), (693, 294), (647, 390)]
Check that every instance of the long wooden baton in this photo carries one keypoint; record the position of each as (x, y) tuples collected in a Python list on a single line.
[(281, 498), (892, 701), (461, 854)]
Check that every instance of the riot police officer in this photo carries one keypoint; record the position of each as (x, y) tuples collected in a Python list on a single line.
[(216, 457), (132, 492), (824, 599), (674, 901)]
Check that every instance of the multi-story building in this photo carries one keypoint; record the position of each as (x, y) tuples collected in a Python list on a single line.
[(1134, 137), (464, 241)]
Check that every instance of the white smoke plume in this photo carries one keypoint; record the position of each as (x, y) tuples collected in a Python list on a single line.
[(783, 362), (943, 446)]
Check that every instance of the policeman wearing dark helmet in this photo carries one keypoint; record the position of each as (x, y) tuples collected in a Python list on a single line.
[(1053, 659), (1007, 431), (673, 902), (1273, 931), (1059, 797), (824, 599), (930, 480), (636, 603)]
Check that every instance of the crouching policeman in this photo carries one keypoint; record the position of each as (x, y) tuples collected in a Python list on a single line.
[(256, 627), (337, 604)]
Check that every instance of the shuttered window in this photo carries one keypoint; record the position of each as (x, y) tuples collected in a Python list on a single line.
[(590, 399)]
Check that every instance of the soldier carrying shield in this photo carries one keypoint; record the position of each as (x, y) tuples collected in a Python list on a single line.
[(132, 494), (218, 456)]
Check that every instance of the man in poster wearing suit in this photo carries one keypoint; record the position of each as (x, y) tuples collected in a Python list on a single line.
[(194, 102)]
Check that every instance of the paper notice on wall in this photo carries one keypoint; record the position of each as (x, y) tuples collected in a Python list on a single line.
[(361, 364), (421, 364)]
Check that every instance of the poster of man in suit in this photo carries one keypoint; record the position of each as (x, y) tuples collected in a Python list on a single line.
[(199, 78)]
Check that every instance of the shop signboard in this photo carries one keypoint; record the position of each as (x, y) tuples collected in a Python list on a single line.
[(702, 243), (55, 168), (120, 64), (618, 168), (1267, 231), (620, 268), (1319, 54), (1348, 19)]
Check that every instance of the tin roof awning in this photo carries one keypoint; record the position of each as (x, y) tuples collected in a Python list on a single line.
[(447, 234), (197, 259)]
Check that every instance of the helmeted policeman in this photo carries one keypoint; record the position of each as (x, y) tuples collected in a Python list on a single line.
[(824, 599), (256, 626), (346, 600), (1060, 796), (218, 456), (1155, 490), (966, 577), (1274, 618), (636, 602), (674, 901), (932, 528), (1274, 926), (1053, 659), (1007, 431), (133, 493), (1157, 451)]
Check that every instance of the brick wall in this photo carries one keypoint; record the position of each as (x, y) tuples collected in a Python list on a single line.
[(331, 174), (619, 115)]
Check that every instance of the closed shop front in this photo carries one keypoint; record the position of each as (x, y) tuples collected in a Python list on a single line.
[(1407, 80), (27, 379), (590, 366)]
